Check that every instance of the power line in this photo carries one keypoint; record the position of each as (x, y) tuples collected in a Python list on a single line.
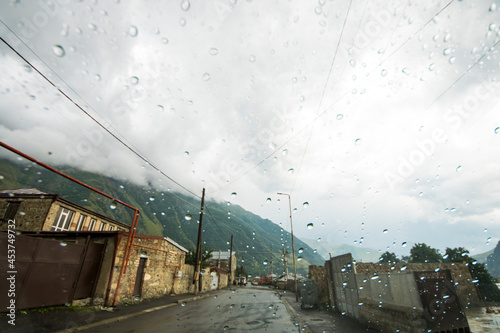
[(97, 122)]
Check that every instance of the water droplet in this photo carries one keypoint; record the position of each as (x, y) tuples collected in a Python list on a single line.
[(446, 51), (160, 108), (284, 152), (134, 80), (404, 244), (493, 7), (112, 205), (340, 116), (301, 250), (58, 50), (213, 51), (383, 72), (319, 239), (445, 256), (406, 71), (186, 153), (497, 130), (492, 27), (164, 40), (234, 194), (265, 263), (63, 244), (268, 200), (305, 204), (152, 198), (291, 171), (188, 217), (375, 277), (459, 168), (183, 304), (182, 22), (132, 31), (403, 268), (251, 58), (163, 213), (352, 62), (206, 77), (385, 231), (310, 226), (357, 142), (185, 5), (432, 67)]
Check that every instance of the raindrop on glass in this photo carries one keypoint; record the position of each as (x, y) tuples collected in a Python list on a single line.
[(305, 204), (265, 263), (310, 226), (301, 250), (58, 50), (134, 80), (206, 77), (357, 142), (234, 194), (112, 205), (383, 72), (459, 168), (188, 217), (185, 5), (252, 58), (497, 130), (385, 231), (404, 244), (132, 31), (152, 198), (291, 171), (213, 51), (268, 200), (340, 116)]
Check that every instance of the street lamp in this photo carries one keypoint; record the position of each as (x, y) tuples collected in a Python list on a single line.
[(293, 249)]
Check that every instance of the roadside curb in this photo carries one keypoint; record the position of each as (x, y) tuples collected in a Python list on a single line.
[(131, 315), (302, 325)]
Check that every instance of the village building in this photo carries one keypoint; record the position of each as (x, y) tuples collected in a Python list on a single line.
[(34, 210), (220, 259), (70, 254)]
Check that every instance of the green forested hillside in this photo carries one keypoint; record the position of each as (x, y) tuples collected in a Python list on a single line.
[(168, 213)]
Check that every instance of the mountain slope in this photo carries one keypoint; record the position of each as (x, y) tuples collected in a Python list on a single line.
[(171, 214)]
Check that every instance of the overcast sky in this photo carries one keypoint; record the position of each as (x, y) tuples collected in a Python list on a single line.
[(382, 116)]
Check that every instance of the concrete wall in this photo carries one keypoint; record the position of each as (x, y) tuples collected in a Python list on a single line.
[(345, 288), (460, 273)]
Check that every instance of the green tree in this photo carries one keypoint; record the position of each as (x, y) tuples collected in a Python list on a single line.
[(206, 256), (389, 257), (422, 253)]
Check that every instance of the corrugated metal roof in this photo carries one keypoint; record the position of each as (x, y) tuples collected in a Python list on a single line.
[(24, 191)]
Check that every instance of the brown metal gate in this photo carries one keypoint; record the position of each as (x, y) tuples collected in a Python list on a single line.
[(442, 309), (49, 272)]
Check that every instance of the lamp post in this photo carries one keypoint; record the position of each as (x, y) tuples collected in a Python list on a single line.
[(293, 249)]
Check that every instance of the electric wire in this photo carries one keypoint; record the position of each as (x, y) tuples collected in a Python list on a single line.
[(99, 123)]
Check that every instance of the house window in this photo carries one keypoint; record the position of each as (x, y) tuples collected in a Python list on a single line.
[(102, 226), (81, 222), (111, 227), (10, 212), (92, 225), (63, 219)]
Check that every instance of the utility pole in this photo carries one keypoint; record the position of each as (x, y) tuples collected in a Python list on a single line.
[(271, 263), (197, 270), (231, 262), (293, 249)]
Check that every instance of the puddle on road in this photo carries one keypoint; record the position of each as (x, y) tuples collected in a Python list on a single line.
[(482, 322)]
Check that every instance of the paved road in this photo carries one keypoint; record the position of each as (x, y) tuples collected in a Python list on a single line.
[(245, 309)]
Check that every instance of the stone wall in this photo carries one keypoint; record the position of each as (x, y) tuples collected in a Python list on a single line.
[(165, 271), (30, 214), (318, 274)]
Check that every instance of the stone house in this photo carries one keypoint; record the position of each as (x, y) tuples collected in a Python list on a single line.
[(220, 260), (34, 210), (64, 241)]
